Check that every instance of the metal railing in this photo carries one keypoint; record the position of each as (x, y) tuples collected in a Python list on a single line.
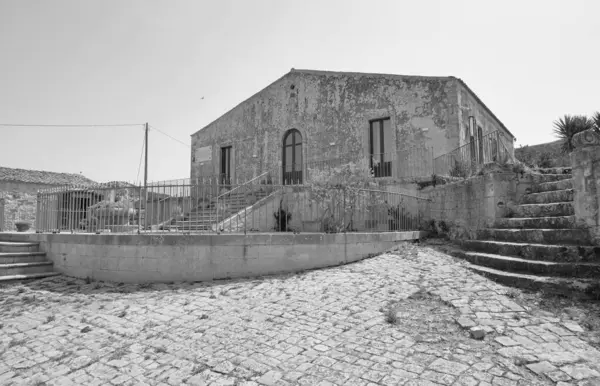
[(465, 160), (1, 212), (201, 207), (233, 190)]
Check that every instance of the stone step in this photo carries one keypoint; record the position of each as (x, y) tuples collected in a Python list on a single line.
[(207, 216), (534, 267), (22, 257), (532, 281), (552, 186), (240, 196), (538, 236), (190, 223), (533, 251), (545, 210), (25, 268), (541, 178), (537, 222), (189, 228), (29, 276), (548, 197), (560, 170), (13, 246)]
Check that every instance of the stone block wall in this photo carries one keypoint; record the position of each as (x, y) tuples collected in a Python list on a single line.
[(585, 161), (18, 207), (20, 202), (466, 206)]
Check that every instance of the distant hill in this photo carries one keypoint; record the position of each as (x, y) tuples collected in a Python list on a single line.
[(546, 155)]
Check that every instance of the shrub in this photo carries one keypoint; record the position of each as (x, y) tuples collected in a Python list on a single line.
[(339, 187), (460, 169), (282, 220), (569, 125), (400, 218), (545, 160), (435, 180)]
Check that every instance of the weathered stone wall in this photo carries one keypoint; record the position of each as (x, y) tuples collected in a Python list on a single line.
[(585, 160), (471, 105), (18, 207), (332, 112), (472, 204), (20, 202)]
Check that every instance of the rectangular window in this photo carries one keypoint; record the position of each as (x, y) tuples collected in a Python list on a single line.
[(226, 165), (380, 147)]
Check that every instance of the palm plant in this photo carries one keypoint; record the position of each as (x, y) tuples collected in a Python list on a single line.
[(596, 119), (569, 125)]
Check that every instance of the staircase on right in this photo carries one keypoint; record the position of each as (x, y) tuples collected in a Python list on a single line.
[(540, 244)]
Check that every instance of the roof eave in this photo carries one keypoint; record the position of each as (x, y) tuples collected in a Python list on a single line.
[(485, 107)]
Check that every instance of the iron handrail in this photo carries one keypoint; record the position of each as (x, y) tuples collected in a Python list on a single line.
[(398, 193), (497, 133), (229, 192), (245, 183)]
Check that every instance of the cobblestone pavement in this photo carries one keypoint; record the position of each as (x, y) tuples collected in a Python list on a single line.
[(401, 318)]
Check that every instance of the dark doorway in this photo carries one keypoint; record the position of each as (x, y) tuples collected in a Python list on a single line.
[(292, 158)]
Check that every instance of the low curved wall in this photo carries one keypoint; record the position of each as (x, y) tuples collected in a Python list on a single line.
[(166, 258)]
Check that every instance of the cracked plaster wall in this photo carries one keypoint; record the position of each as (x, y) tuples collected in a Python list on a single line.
[(332, 112)]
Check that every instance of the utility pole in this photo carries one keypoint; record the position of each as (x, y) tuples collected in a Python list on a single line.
[(146, 159), (146, 177)]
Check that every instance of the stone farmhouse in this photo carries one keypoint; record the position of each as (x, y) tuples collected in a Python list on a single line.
[(18, 192), (309, 118)]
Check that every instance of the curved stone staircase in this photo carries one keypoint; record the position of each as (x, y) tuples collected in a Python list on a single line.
[(540, 244), (21, 261)]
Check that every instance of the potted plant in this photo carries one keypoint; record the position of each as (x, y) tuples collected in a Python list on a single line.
[(22, 226)]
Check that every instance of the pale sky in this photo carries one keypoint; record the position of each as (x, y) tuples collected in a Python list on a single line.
[(120, 61)]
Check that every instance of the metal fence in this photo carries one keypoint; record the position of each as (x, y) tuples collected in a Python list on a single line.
[(1, 213), (204, 206), (464, 161)]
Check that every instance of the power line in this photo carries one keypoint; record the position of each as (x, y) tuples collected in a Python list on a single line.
[(174, 139), (45, 125)]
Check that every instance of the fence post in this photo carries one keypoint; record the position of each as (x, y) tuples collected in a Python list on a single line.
[(139, 214), (472, 147), (344, 215), (497, 147), (432, 162), (37, 212)]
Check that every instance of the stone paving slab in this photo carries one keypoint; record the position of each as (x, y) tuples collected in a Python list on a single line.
[(402, 318)]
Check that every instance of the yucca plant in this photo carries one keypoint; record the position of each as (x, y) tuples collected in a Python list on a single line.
[(596, 119), (569, 125)]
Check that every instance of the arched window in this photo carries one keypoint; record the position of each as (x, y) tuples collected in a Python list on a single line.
[(292, 157)]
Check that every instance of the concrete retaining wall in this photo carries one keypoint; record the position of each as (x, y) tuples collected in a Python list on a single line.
[(165, 258)]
